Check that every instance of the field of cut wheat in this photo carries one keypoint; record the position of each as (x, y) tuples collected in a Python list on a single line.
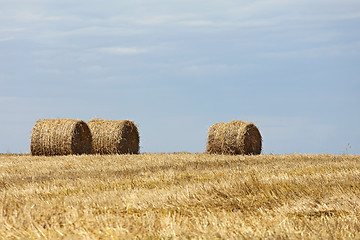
[(180, 196)]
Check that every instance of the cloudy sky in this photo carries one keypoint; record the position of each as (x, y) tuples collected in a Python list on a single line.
[(176, 67)]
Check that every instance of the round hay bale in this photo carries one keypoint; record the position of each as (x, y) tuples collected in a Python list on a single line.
[(114, 137), (60, 137), (235, 137)]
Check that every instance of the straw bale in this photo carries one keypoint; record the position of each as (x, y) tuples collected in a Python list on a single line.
[(235, 137), (114, 137), (60, 137)]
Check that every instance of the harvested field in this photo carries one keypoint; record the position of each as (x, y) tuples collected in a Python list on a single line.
[(180, 196)]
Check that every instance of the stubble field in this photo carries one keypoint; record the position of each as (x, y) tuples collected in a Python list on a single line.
[(180, 196)]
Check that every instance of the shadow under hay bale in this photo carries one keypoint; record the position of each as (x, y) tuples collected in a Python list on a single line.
[(60, 137), (235, 137), (114, 137)]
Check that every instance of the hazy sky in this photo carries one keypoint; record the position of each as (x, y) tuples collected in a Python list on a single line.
[(176, 67)]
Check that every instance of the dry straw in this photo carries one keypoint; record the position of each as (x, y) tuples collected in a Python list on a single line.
[(114, 137), (60, 137), (235, 137)]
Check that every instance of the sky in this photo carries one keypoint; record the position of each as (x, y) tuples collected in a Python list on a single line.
[(176, 67)]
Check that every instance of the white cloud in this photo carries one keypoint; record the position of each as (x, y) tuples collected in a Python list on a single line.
[(11, 30), (123, 50), (5, 39), (214, 68), (8, 34), (197, 23), (33, 16), (7, 99), (162, 19), (296, 13), (5, 77), (93, 31), (325, 51), (93, 69)]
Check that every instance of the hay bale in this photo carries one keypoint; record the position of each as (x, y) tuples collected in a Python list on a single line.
[(114, 137), (235, 137), (60, 137)]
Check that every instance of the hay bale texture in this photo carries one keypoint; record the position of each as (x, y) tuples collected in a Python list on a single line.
[(114, 137), (60, 137), (235, 137)]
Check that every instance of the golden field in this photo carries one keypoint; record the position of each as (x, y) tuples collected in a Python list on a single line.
[(180, 196)]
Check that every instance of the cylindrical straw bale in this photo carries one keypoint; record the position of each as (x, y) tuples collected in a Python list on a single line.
[(60, 137), (114, 137), (235, 137)]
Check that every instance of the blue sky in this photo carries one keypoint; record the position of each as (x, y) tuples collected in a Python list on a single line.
[(177, 67)]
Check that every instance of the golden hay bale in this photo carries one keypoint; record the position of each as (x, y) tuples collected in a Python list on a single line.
[(60, 137), (235, 137), (114, 137)]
